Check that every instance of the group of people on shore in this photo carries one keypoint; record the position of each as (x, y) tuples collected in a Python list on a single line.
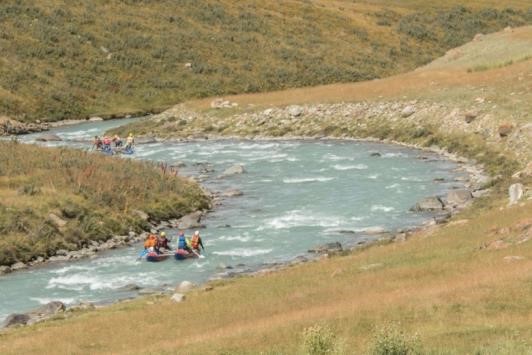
[(106, 143), (160, 244)]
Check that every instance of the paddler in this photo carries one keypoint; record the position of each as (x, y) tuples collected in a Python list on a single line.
[(196, 242)]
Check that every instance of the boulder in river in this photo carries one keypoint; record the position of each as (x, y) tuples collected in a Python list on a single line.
[(234, 170), (130, 287), (327, 248), (49, 137), (191, 221), (428, 204), (232, 193)]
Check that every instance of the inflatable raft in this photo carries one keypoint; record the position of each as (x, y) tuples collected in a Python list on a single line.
[(181, 254), (154, 257)]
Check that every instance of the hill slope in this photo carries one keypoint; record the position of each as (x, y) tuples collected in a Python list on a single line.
[(62, 60)]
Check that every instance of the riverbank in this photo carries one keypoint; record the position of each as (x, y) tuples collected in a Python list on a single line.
[(59, 204)]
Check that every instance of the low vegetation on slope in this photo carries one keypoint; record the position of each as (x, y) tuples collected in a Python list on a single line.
[(95, 195), (62, 59)]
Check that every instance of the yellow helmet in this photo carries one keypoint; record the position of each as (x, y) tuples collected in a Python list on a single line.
[(163, 234), (131, 134)]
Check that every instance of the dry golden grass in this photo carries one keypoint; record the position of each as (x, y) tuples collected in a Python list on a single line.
[(443, 284)]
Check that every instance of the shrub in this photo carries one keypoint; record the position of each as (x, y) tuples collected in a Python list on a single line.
[(319, 340), (391, 340)]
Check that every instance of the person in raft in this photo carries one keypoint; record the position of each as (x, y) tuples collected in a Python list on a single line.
[(162, 242), (196, 242), (97, 143), (182, 242), (117, 141), (150, 244), (106, 143), (129, 141)]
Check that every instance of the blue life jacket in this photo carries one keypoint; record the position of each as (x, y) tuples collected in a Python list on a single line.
[(182, 243)]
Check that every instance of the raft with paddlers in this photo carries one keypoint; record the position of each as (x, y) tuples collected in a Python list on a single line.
[(154, 257), (182, 254)]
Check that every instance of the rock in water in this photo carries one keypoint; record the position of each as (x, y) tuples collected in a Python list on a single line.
[(234, 170), (515, 193), (5, 270), (15, 319), (178, 297), (191, 221), (428, 204), (49, 137), (232, 193), (458, 197)]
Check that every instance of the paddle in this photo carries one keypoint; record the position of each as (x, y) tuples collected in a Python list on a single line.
[(198, 254), (142, 254)]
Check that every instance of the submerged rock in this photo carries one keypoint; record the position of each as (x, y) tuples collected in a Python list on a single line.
[(232, 193), (234, 170), (49, 137)]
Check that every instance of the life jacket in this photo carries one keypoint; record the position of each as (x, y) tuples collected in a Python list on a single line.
[(150, 242), (182, 243), (195, 242), (163, 243)]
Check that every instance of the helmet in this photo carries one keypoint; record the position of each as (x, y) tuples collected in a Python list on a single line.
[(196, 233), (131, 134), (163, 234)]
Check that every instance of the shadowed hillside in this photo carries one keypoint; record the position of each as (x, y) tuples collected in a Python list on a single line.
[(62, 59)]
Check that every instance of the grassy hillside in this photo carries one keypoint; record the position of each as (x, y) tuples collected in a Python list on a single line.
[(95, 195), (62, 59)]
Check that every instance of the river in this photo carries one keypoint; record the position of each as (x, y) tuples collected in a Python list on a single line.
[(296, 194)]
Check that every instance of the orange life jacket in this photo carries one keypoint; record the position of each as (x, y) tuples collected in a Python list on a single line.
[(194, 242), (150, 242)]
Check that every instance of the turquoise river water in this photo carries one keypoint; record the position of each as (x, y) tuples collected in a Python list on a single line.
[(297, 194)]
